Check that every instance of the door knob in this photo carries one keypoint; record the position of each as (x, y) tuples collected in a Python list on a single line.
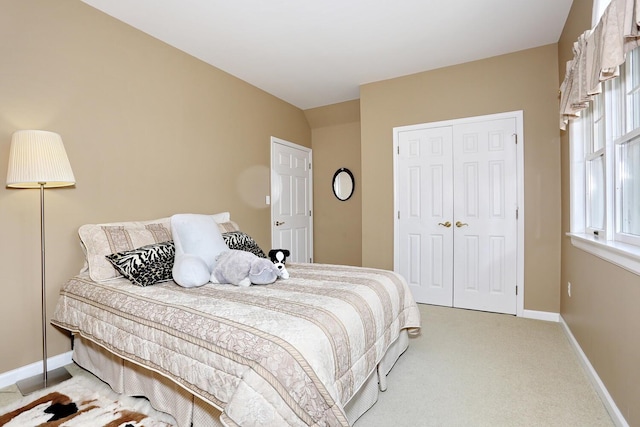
[(279, 223), (445, 224), (460, 224)]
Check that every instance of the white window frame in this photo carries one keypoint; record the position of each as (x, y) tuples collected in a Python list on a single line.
[(609, 244)]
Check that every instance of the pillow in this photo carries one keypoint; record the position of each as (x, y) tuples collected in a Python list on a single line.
[(146, 265), (100, 240), (243, 242), (221, 217), (228, 226), (198, 243)]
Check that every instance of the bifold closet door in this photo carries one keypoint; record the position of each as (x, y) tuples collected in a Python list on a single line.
[(425, 186), (485, 216), (457, 229)]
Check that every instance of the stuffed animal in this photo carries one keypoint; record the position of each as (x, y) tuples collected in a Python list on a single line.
[(278, 258), (242, 268)]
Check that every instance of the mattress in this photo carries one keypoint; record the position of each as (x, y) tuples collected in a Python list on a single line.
[(295, 352)]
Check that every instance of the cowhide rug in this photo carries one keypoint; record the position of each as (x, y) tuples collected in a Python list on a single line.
[(79, 402)]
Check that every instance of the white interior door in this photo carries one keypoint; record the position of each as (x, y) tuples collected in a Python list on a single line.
[(485, 209), (425, 173), (456, 229), (291, 200)]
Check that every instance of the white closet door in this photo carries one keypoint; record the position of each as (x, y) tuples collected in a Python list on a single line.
[(457, 198), (485, 204), (425, 178)]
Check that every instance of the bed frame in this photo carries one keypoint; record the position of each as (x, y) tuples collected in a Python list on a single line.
[(129, 378)]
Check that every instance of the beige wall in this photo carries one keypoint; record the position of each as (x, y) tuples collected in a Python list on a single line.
[(602, 311), (336, 143), (149, 131), (525, 80)]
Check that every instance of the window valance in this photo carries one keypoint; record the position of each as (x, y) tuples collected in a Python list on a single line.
[(597, 56)]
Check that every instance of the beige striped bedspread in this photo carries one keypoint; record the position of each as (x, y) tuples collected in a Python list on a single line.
[(290, 353)]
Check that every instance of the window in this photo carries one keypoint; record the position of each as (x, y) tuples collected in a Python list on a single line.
[(598, 9), (594, 158), (605, 170), (629, 190)]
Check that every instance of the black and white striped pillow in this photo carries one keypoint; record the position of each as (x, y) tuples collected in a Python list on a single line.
[(242, 242), (146, 265)]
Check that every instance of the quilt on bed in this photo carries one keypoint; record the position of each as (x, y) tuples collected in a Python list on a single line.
[(290, 353)]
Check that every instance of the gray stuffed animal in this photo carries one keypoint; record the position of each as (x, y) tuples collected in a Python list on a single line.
[(242, 268)]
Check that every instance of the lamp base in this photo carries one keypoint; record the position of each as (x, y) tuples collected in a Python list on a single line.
[(35, 383)]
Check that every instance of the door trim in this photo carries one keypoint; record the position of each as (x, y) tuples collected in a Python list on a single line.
[(518, 116), (308, 150)]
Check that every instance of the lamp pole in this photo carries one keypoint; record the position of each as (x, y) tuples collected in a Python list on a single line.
[(42, 282)]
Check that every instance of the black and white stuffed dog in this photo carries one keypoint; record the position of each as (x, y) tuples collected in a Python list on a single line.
[(279, 258)]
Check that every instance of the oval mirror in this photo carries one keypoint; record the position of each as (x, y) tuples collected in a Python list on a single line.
[(343, 184)]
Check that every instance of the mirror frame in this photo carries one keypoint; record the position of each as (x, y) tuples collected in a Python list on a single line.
[(333, 184)]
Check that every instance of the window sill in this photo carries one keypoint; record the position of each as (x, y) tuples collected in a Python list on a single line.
[(621, 254)]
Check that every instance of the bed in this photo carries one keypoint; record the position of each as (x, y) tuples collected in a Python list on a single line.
[(313, 349)]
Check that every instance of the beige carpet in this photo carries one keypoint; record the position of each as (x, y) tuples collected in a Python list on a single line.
[(472, 368), (477, 369)]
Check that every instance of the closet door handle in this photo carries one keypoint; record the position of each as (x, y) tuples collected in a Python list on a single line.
[(460, 224), (445, 224), (279, 223)]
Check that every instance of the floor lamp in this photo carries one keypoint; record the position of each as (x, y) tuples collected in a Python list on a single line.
[(37, 159)]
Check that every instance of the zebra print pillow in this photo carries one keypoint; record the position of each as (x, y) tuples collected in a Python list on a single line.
[(243, 242), (146, 265)]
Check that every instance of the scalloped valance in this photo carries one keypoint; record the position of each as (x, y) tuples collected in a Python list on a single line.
[(598, 54)]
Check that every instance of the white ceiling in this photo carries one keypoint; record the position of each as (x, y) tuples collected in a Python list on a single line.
[(312, 53)]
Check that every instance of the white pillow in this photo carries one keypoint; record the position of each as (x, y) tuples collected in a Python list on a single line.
[(198, 243)]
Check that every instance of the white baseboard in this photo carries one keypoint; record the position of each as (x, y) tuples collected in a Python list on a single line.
[(541, 315), (607, 400), (11, 377)]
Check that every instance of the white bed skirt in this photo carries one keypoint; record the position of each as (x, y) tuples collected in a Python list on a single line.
[(165, 395)]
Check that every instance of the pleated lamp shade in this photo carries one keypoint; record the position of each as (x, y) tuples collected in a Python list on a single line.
[(38, 157)]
